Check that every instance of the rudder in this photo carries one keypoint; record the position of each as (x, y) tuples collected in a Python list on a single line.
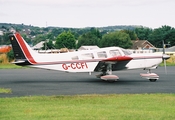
[(21, 52)]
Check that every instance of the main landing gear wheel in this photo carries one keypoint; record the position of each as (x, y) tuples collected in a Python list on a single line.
[(109, 78), (107, 75)]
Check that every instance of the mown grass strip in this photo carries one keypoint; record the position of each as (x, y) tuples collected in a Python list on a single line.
[(90, 107), (5, 90), (9, 66), (167, 64)]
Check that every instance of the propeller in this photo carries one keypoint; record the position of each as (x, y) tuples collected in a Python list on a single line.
[(164, 57)]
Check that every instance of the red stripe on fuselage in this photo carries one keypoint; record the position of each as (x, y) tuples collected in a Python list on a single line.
[(119, 58), (24, 48)]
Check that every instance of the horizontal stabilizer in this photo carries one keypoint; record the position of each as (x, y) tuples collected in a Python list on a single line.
[(20, 61)]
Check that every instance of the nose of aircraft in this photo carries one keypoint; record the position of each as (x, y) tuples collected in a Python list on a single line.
[(165, 57)]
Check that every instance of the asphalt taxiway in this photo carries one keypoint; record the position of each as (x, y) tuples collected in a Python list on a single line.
[(31, 82)]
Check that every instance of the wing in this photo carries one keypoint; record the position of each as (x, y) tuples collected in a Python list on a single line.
[(118, 63)]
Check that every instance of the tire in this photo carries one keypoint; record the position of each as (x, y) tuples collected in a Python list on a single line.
[(152, 80)]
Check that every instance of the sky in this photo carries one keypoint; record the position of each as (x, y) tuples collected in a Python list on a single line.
[(88, 13)]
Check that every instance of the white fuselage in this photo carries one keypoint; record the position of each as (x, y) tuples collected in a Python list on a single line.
[(87, 60), (146, 61), (111, 58)]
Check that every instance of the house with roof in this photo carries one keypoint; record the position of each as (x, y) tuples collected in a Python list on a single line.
[(38, 46), (88, 47), (1, 33), (142, 44)]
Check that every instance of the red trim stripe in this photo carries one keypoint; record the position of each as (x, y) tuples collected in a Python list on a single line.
[(119, 58), (24, 48)]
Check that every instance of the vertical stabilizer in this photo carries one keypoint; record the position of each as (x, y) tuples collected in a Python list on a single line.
[(22, 51)]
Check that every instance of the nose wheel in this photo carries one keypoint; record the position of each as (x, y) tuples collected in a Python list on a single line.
[(152, 80), (152, 77)]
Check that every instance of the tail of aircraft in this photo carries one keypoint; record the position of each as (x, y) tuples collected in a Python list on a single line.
[(22, 51)]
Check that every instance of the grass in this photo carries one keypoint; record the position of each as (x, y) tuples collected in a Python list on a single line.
[(167, 64), (5, 64), (7, 91), (9, 66), (90, 107)]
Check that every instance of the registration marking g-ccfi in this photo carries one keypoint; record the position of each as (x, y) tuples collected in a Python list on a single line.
[(81, 65)]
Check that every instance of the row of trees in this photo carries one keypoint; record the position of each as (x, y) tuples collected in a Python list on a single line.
[(93, 37), (156, 36), (73, 38), (120, 38)]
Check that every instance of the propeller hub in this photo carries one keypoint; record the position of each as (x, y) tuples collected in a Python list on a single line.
[(165, 57)]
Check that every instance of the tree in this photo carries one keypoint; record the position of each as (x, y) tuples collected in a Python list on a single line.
[(117, 38), (143, 33), (131, 34), (56, 32), (170, 37), (89, 38), (10, 55), (165, 33), (48, 45), (96, 32), (65, 39), (27, 39), (4, 39), (39, 38), (50, 36)]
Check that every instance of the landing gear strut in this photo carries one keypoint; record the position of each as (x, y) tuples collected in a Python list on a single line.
[(152, 77)]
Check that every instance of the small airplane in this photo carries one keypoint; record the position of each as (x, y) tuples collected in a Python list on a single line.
[(104, 60)]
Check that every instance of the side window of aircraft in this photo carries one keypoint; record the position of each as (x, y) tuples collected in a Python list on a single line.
[(87, 56), (102, 54), (115, 53)]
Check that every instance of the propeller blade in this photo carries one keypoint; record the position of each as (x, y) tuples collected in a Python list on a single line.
[(165, 66), (164, 57), (163, 46)]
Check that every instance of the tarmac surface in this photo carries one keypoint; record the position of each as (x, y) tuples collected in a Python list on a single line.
[(32, 82)]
